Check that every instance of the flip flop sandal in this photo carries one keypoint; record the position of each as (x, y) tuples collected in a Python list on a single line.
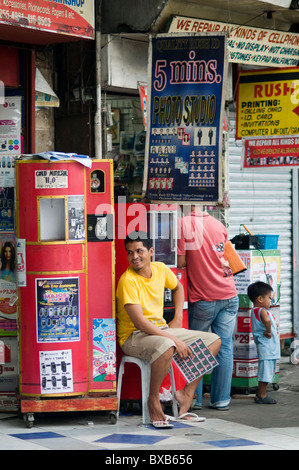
[(194, 418), (170, 418), (162, 424)]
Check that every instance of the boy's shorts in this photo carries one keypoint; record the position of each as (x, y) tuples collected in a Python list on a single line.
[(266, 370), (151, 347)]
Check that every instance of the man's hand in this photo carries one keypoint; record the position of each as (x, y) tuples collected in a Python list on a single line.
[(268, 334), (182, 349), (175, 323)]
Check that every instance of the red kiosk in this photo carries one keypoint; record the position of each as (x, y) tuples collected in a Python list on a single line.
[(67, 340)]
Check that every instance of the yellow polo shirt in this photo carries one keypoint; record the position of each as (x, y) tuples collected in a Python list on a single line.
[(149, 293)]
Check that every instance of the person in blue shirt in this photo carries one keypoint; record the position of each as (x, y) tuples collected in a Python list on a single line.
[(266, 338)]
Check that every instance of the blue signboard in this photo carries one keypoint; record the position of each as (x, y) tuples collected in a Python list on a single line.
[(185, 118)]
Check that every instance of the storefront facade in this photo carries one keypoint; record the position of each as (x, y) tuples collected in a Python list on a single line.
[(114, 87), (264, 201)]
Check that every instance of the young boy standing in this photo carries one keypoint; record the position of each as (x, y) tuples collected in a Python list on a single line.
[(266, 337)]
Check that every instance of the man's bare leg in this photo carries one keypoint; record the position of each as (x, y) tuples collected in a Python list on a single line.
[(185, 396), (159, 369)]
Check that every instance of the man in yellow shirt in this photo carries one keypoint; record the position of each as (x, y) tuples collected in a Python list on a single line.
[(141, 329)]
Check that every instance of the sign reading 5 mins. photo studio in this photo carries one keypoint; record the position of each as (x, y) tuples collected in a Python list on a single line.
[(185, 116)]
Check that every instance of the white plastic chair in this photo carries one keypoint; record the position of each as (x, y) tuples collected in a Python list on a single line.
[(145, 369)]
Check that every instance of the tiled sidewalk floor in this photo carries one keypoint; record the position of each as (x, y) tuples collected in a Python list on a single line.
[(95, 432)]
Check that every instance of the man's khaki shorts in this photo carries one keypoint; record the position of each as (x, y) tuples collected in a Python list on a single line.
[(151, 347)]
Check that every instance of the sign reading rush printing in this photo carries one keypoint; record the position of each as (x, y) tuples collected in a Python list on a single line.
[(268, 103), (73, 17)]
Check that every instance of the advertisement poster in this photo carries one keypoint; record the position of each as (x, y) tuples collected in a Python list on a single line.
[(56, 371), (268, 103), (263, 267), (247, 44), (7, 170), (104, 350), (8, 300), (7, 210), (76, 217), (74, 17), (9, 378), (57, 309), (267, 152), (8, 286), (142, 87), (21, 262), (10, 132), (185, 117)]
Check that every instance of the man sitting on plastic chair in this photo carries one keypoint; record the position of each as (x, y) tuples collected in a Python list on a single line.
[(143, 332)]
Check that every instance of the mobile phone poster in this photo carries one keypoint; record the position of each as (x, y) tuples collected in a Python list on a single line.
[(57, 308), (187, 76)]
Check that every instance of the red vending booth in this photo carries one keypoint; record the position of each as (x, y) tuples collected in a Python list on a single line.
[(160, 221), (67, 340)]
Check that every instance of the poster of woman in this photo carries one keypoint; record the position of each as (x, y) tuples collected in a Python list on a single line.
[(8, 286), (8, 262)]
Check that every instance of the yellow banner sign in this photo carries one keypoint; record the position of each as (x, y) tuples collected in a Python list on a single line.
[(268, 103)]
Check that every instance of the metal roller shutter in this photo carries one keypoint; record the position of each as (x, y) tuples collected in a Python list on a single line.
[(262, 200)]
